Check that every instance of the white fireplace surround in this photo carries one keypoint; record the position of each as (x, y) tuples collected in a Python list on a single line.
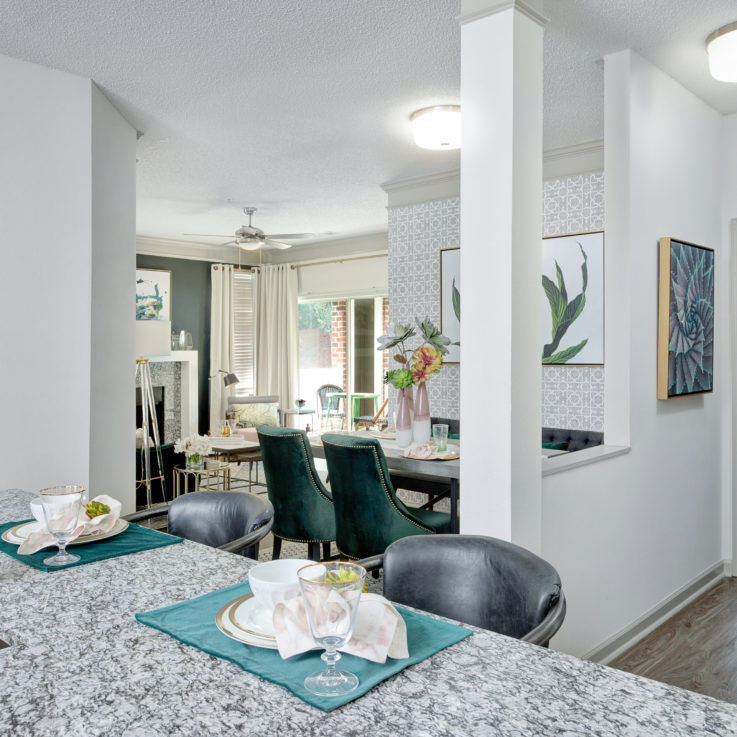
[(188, 400)]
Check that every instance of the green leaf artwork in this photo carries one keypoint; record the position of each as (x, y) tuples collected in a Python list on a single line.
[(456, 305), (564, 313)]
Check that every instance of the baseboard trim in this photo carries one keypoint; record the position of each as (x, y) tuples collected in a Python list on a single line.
[(642, 626)]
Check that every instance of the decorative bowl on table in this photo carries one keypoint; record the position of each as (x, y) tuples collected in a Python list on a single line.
[(300, 403)]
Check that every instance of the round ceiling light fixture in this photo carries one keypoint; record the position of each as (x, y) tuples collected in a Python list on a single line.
[(721, 45), (437, 127)]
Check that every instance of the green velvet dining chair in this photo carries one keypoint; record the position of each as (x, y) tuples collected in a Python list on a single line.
[(303, 507), (369, 516)]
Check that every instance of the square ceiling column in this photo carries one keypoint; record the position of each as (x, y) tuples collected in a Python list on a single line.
[(501, 231)]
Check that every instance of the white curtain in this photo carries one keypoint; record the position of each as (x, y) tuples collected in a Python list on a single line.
[(277, 339), (221, 342)]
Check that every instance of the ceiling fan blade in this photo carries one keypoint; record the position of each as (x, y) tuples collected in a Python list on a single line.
[(276, 244), (210, 235), (289, 236)]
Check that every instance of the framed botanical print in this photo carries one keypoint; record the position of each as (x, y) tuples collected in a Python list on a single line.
[(573, 284), (450, 301)]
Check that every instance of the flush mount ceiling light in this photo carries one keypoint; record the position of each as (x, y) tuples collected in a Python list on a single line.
[(722, 49), (437, 127)]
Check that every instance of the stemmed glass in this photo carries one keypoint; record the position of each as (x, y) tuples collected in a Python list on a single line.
[(61, 506), (331, 592)]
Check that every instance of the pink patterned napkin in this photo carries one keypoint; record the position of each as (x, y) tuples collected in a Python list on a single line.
[(379, 631), (85, 526)]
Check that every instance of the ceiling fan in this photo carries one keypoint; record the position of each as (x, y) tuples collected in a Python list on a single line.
[(250, 238)]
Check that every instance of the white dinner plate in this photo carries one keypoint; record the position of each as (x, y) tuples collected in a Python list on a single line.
[(224, 624), (252, 617), (18, 534)]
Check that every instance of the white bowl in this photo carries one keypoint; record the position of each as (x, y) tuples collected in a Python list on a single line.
[(275, 581), (37, 511)]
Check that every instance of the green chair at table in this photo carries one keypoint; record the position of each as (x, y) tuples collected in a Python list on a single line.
[(368, 514), (303, 508)]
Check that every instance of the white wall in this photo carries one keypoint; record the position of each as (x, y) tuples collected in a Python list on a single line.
[(729, 418), (45, 236), (112, 418), (46, 230), (628, 532)]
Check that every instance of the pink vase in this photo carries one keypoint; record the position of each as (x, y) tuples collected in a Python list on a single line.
[(404, 421), (421, 419)]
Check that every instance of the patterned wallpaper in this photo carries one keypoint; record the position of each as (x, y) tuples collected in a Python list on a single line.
[(416, 235), (572, 396)]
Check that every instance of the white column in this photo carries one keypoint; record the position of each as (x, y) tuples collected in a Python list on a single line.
[(67, 225), (501, 231)]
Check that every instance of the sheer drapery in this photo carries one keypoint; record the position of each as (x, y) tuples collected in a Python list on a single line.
[(277, 338), (221, 342)]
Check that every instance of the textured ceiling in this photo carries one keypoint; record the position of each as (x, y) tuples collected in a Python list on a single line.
[(301, 108)]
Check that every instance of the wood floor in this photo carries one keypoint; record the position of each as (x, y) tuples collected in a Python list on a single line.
[(696, 649)]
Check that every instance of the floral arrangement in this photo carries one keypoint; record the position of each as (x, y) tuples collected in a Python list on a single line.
[(194, 447), (418, 364)]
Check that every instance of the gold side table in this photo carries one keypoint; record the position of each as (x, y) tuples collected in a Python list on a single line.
[(214, 477)]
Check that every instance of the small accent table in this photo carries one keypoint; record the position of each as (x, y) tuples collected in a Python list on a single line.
[(287, 413), (212, 477)]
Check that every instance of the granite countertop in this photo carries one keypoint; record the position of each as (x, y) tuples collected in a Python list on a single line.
[(80, 664)]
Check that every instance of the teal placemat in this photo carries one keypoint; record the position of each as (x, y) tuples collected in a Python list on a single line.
[(193, 623), (133, 540)]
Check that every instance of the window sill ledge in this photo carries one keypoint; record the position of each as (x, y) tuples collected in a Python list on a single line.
[(567, 461)]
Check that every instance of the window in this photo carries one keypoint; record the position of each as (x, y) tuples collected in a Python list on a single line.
[(243, 333), (337, 345)]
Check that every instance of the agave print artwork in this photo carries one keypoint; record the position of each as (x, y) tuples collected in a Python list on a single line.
[(685, 319), (573, 312)]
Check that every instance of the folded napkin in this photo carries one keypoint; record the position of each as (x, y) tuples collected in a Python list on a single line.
[(85, 525), (421, 450), (379, 630)]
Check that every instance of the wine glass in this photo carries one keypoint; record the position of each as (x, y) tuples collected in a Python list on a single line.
[(61, 506), (331, 592)]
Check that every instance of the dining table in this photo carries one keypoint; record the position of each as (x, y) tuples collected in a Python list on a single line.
[(448, 471), (79, 663)]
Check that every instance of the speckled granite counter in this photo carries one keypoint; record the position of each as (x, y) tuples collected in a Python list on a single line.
[(80, 664)]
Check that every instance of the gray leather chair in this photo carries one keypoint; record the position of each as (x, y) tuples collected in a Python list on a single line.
[(229, 520), (478, 580)]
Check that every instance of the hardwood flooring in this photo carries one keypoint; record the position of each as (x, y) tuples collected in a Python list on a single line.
[(696, 649)]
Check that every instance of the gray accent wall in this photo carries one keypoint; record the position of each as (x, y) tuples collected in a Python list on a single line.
[(190, 310), (572, 396)]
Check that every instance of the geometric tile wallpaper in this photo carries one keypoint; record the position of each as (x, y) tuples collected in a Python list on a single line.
[(416, 235), (572, 396)]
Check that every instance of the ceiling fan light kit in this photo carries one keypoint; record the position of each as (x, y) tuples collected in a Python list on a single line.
[(438, 127), (250, 238), (721, 46)]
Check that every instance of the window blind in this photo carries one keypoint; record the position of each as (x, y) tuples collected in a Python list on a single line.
[(243, 333)]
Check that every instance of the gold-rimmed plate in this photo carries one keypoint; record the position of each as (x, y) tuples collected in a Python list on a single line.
[(249, 616), (224, 624), (449, 456), (19, 533)]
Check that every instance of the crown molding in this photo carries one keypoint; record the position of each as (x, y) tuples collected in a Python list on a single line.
[(579, 158), (413, 190), (301, 253), (172, 248), (472, 10)]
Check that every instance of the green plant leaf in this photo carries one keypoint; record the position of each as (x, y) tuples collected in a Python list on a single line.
[(567, 354), (555, 299), (561, 283), (456, 300), (584, 268)]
